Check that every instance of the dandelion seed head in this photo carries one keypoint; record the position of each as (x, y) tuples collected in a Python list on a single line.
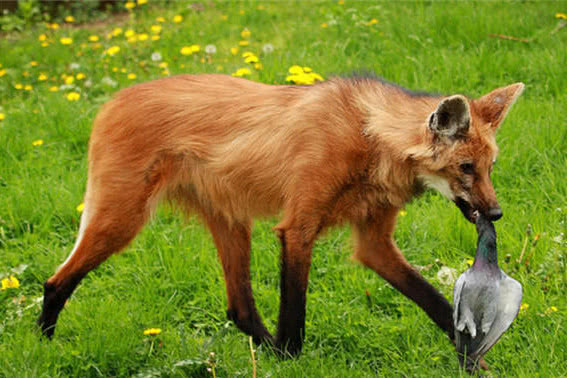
[(268, 48), (210, 49)]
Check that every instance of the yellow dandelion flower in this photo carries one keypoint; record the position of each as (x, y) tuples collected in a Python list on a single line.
[(561, 15), (163, 65), (165, 72), (195, 48), (187, 50), (403, 213), (33, 63), (81, 207), (372, 22), (2, 116), (155, 37), (524, 307), (26, 73), (133, 39), (66, 40), (2, 72), (143, 37), (258, 66), (129, 5), (160, 19), (112, 50), (123, 70), (177, 19), (37, 143), (42, 38), (54, 26), (129, 33), (242, 72), (42, 77), (244, 43), (131, 76), (28, 87), (80, 76), (73, 96), (53, 89), (19, 86), (156, 29), (307, 69), (304, 78), (251, 59), (69, 80), (295, 70), (247, 54), (324, 25), (341, 2), (142, 2), (234, 50), (152, 331), (551, 310), (10, 283), (44, 44), (317, 77), (245, 33), (70, 19), (116, 32), (93, 38), (470, 262)]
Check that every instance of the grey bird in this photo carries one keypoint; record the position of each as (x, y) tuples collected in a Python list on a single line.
[(486, 300)]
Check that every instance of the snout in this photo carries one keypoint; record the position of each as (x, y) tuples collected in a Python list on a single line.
[(494, 213)]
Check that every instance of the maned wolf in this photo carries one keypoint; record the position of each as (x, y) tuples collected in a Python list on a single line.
[(348, 150)]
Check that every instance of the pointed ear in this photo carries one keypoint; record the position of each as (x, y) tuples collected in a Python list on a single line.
[(494, 106), (451, 119)]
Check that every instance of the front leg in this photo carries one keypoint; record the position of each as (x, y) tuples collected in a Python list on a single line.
[(295, 264), (376, 249)]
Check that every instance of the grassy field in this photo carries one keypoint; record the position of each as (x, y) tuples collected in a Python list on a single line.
[(53, 80)]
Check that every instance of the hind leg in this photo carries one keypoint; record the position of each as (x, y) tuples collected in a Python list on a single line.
[(233, 245), (106, 227)]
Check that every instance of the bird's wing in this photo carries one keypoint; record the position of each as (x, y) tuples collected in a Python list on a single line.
[(509, 301), (464, 301), (490, 309), (457, 291)]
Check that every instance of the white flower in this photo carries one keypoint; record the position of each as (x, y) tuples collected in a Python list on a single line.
[(210, 49), (65, 87), (108, 81), (447, 276), (156, 57), (268, 48), (74, 66), (88, 84)]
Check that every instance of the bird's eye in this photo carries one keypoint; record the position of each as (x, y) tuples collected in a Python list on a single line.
[(467, 168)]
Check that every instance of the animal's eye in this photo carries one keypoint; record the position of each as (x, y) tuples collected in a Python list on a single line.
[(467, 168)]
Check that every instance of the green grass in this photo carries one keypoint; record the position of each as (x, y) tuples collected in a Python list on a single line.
[(170, 277)]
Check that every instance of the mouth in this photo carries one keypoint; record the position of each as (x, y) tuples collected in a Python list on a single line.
[(470, 213)]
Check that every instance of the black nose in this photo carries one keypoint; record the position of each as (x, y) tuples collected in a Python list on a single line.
[(494, 214)]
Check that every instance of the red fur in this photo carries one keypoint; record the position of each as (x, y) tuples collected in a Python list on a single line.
[(231, 150)]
